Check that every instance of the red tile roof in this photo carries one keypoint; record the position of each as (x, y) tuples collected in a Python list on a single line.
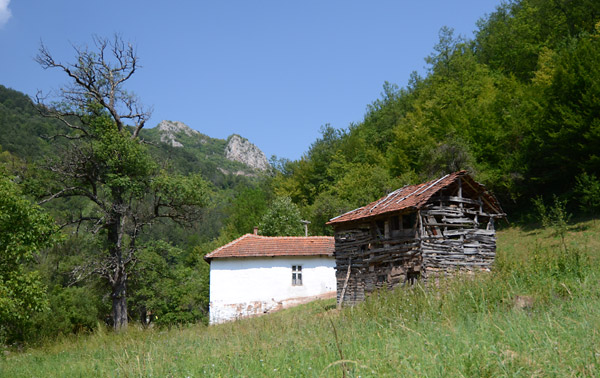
[(415, 196), (251, 245)]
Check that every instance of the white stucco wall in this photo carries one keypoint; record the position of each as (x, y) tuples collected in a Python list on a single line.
[(251, 286)]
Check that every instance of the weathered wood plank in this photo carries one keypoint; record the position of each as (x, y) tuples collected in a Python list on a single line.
[(455, 199)]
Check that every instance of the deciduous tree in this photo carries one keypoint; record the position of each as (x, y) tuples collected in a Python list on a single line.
[(120, 188), (282, 219), (24, 229)]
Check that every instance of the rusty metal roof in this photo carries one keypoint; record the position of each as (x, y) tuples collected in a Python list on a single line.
[(251, 245), (415, 196)]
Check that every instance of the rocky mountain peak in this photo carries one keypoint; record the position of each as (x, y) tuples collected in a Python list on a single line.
[(240, 149), (169, 131)]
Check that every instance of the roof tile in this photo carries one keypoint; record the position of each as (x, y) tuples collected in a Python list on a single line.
[(414, 196), (251, 245)]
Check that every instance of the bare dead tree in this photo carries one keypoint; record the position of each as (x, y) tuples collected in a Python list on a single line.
[(107, 165), (99, 75)]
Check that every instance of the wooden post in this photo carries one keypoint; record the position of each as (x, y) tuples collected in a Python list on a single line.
[(460, 192), (420, 233), (386, 232), (480, 211), (460, 205), (345, 284)]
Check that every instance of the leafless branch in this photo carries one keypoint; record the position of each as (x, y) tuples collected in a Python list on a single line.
[(62, 193), (66, 136), (78, 221), (75, 191), (80, 273), (60, 115), (99, 75)]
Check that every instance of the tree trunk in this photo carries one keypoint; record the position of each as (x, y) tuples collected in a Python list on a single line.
[(119, 305), (144, 316), (118, 277)]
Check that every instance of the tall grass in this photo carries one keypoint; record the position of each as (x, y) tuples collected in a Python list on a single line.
[(536, 314)]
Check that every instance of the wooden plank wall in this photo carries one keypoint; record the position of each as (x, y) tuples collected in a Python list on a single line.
[(376, 261), (455, 237)]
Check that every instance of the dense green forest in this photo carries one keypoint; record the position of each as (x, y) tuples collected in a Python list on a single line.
[(518, 106)]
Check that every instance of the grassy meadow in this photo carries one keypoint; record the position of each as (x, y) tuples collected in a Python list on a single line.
[(536, 315)]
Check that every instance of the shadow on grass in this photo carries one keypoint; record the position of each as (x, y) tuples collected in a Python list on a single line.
[(580, 227), (329, 307), (577, 223), (531, 228)]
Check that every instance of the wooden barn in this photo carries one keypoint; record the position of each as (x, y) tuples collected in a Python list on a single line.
[(418, 231)]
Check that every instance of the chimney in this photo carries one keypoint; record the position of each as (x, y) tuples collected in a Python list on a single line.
[(305, 223), (255, 230)]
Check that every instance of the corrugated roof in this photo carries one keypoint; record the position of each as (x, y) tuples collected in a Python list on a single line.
[(415, 196), (251, 245)]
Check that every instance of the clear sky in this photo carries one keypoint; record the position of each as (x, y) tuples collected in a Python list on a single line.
[(271, 71)]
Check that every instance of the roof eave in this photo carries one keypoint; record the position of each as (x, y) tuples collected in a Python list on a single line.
[(267, 256), (386, 213)]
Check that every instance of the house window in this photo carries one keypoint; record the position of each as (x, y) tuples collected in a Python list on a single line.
[(296, 275), (380, 229), (409, 220)]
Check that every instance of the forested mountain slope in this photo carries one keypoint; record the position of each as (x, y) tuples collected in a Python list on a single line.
[(517, 107), (30, 136), (22, 128)]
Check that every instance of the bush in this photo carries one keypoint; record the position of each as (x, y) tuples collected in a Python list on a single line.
[(555, 217), (587, 190), (72, 310)]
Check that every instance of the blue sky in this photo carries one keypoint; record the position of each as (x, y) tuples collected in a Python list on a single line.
[(271, 71)]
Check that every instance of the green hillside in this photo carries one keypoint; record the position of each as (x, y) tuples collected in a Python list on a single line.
[(23, 129), (536, 314), (199, 152), (32, 137)]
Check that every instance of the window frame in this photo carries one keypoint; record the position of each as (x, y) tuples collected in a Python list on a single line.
[(297, 275)]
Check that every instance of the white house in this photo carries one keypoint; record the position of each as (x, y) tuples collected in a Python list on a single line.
[(254, 275)]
